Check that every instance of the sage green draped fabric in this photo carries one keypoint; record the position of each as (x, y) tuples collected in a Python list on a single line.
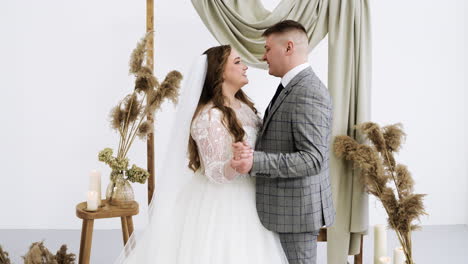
[(241, 23), (347, 23)]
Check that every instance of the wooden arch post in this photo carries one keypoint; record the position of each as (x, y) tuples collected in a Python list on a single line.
[(150, 63)]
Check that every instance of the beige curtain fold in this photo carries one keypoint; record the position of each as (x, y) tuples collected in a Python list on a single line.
[(240, 23)]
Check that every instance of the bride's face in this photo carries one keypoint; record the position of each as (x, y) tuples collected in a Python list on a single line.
[(235, 72)]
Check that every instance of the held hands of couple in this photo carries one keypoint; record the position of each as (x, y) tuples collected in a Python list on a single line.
[(242, 157)]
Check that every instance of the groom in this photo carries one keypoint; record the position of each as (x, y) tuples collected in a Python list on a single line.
[(291, 158)]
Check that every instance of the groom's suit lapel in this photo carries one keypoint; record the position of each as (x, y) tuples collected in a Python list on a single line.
[(283, 96)]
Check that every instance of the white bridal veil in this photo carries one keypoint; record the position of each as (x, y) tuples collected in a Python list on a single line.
[(157, 243)]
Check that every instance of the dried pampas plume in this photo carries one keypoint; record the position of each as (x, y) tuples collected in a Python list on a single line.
[(394, 136), (132, 107), (138, 54), (170, 86), (145, 80), (117, 117), (63, 257), (404, 181), (145, 128), (39, 254), (4, 258), (169, 89), (391, 183)]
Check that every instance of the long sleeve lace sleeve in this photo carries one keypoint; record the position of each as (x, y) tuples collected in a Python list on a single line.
[(214, 146)]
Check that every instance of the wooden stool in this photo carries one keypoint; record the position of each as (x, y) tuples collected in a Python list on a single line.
[(107, 211), (322, 237)]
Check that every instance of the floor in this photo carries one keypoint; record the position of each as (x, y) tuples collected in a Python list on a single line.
[(433, 244)]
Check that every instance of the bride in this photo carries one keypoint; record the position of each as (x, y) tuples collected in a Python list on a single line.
[(203, 211)]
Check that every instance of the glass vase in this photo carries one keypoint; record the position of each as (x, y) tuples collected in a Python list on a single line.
[(120, 192)]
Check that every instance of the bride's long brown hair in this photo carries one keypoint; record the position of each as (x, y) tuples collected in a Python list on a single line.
[(212, 92)]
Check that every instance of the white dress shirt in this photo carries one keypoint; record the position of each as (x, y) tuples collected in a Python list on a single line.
[(292, 73)]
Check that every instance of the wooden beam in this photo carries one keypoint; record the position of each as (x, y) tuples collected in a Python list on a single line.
[(150, 63)]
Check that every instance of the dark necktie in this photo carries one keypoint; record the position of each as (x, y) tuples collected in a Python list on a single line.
[(278, 91)]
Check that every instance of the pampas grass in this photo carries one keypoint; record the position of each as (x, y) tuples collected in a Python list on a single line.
[(4, 258), (39, 254), (129, 118), (63, 257), (145, 129), (138, 54), (389, 182)]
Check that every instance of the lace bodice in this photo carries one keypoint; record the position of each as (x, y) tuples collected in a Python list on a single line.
[(214, 141)]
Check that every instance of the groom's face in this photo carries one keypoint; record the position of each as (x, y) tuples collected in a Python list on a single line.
[(274, 55)]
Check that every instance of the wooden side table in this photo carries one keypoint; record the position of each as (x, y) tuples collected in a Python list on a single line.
[(107, 211), (322, 237)]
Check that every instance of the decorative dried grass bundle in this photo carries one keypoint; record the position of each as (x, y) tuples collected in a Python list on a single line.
[(4, 258), (145, 128), (170, 86), (130, 116), (145, 80), (391, 183), (138, 54), (63, 257), (39, 254)]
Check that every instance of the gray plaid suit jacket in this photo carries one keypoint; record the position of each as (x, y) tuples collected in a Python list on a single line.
[(291, 158)]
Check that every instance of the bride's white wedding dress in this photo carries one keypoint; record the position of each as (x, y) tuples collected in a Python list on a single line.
[(210, 216), (221, 223), (216, 220)]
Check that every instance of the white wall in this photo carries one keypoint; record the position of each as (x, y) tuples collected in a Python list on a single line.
[(419, 66), (63, 65)]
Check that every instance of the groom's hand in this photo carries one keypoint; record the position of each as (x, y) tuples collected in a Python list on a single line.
[(241, 150), (243, 166), (242, 159)]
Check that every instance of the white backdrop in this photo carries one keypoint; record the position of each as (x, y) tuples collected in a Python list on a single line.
[(63, 65)]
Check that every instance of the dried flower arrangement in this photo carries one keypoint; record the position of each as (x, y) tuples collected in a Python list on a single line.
[(39, 254), (379, 170), (4, 258), (130, 116), (63, 257)]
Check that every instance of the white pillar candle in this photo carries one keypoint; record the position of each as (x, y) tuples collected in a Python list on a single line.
[(92, 201), (384, 260), (95, 184), (380, 243), (399, 256)]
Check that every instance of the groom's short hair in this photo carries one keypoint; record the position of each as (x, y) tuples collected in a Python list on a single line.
[(283, 27)]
